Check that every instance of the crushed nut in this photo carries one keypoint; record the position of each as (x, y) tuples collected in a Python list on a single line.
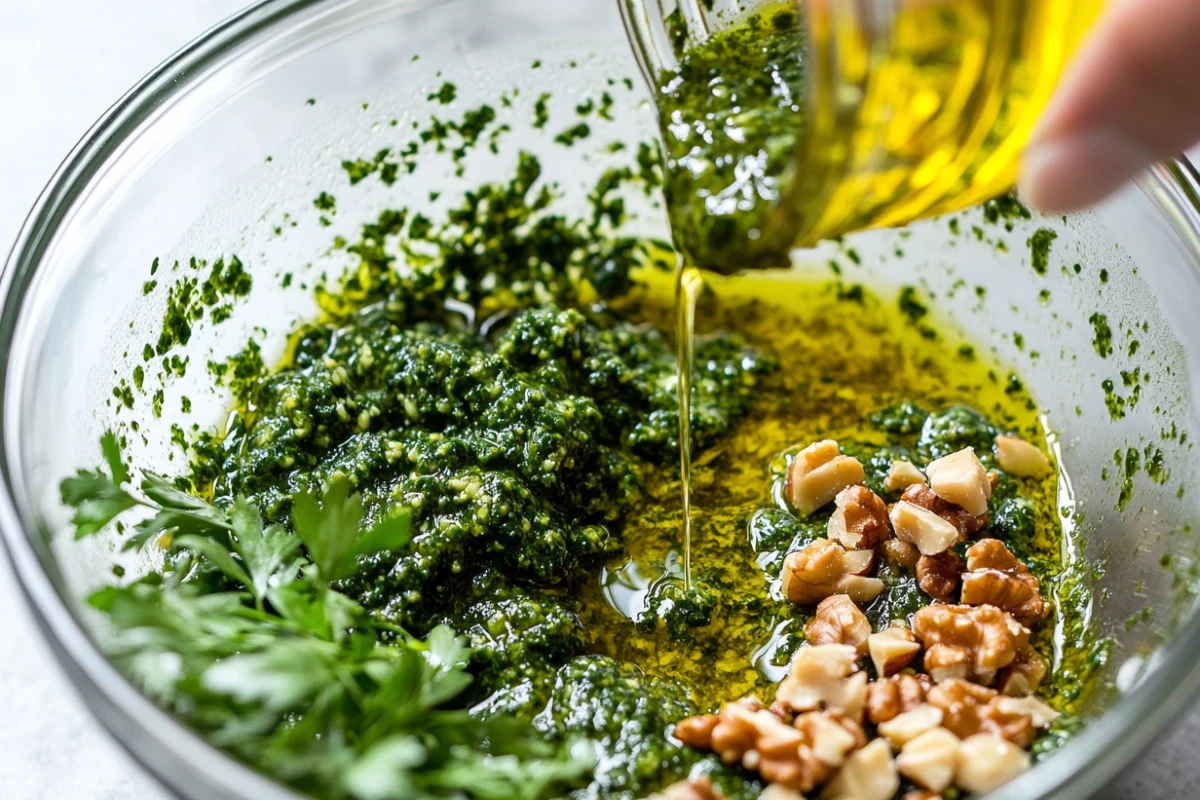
[(892, 649), (818, 473), (965, 522), (1024, 675), (900, 555), (1018, 457), (691, 789), (972, 642), (777, 791), (930, 760), (987, 762), (829, 737), (839, 621), (939, 576), (821, 569), (902, 729), (960, 478), (995, 577), (868, 774), (821, 677), (860, 519), (890, 697), (901, 475), (859, 562), (921, 794), (930, 533), (697, 731), (969, 709)]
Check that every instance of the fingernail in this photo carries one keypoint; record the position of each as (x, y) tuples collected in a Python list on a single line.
[(1073, 172)]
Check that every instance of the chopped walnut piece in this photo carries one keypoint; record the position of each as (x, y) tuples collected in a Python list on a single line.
[(821, 677), (736, 731), (973, 642), (1040, 715), (922, 794), (868, 774), (901, 475), (889, 697), (969, 709), (902, 729), (821, 569), (930, 533), (995, 577), (839, 621), (986, 762), (829, 737), (776, 791), (697, 731), (858, 562), (939, 576), (1018, 457), (892, 649), (960, 478), (860, 519), (1024, 675), (692, 789), (900, 555), (965, 522), (818, 473), (930, 760)]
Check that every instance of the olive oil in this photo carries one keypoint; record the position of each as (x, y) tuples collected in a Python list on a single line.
[(805, 121), (844, 353), (689, 285)]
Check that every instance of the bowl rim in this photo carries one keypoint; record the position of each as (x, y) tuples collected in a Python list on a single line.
[(185, 762)]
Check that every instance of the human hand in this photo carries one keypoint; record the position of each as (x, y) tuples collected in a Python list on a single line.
[(1130, 98)]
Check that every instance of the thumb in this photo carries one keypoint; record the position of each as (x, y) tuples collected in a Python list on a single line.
[(1130, 98)]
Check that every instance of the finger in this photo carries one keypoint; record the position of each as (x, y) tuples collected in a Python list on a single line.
[(1131, 97)]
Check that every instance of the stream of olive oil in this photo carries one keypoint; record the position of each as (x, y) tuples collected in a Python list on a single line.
[(688, 286)]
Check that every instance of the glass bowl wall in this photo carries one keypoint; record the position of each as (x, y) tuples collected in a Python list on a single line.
[(180, 168)]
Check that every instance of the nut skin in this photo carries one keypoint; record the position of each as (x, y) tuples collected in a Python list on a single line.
[(901, 556), (860, 519), (839, 621), (696, 732), (967, 524), (818, 473), (822, 569), (1022, 677), (939, 576), (971, 642), (996, 577), (888, 698)]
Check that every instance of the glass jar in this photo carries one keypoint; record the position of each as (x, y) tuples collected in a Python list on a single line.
[(911, 108)]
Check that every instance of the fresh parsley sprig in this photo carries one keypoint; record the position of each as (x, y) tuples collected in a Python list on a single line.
[(284, 672)]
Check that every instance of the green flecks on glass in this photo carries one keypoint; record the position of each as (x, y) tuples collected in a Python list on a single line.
[(910, 306), (325, 202), (147, 352), (1104, 276), (1044, 296), (154, 266), (574, 134), (139, 377), (179, 438), (953, 225), (185, 404), (1019, 341), (1133, 347), (312, 101), (1156, 465), (148, 287), (157, 402), (537, 64), (1102, 341), (1039, 249), (1113, 401), (445, 94), (541, 111)]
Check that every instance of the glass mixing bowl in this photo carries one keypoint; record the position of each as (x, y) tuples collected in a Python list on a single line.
[(179, 167)]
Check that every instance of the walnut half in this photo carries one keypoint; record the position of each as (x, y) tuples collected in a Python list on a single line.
[(939, 576), (839, 621), (971, 642), (995, 577), (818, 473), (824, 568), (860, 519)]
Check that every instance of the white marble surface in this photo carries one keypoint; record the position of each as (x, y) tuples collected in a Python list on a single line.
[(62, 62)]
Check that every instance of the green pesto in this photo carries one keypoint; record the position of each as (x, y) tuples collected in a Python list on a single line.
[(731, 115), (445, 94)]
